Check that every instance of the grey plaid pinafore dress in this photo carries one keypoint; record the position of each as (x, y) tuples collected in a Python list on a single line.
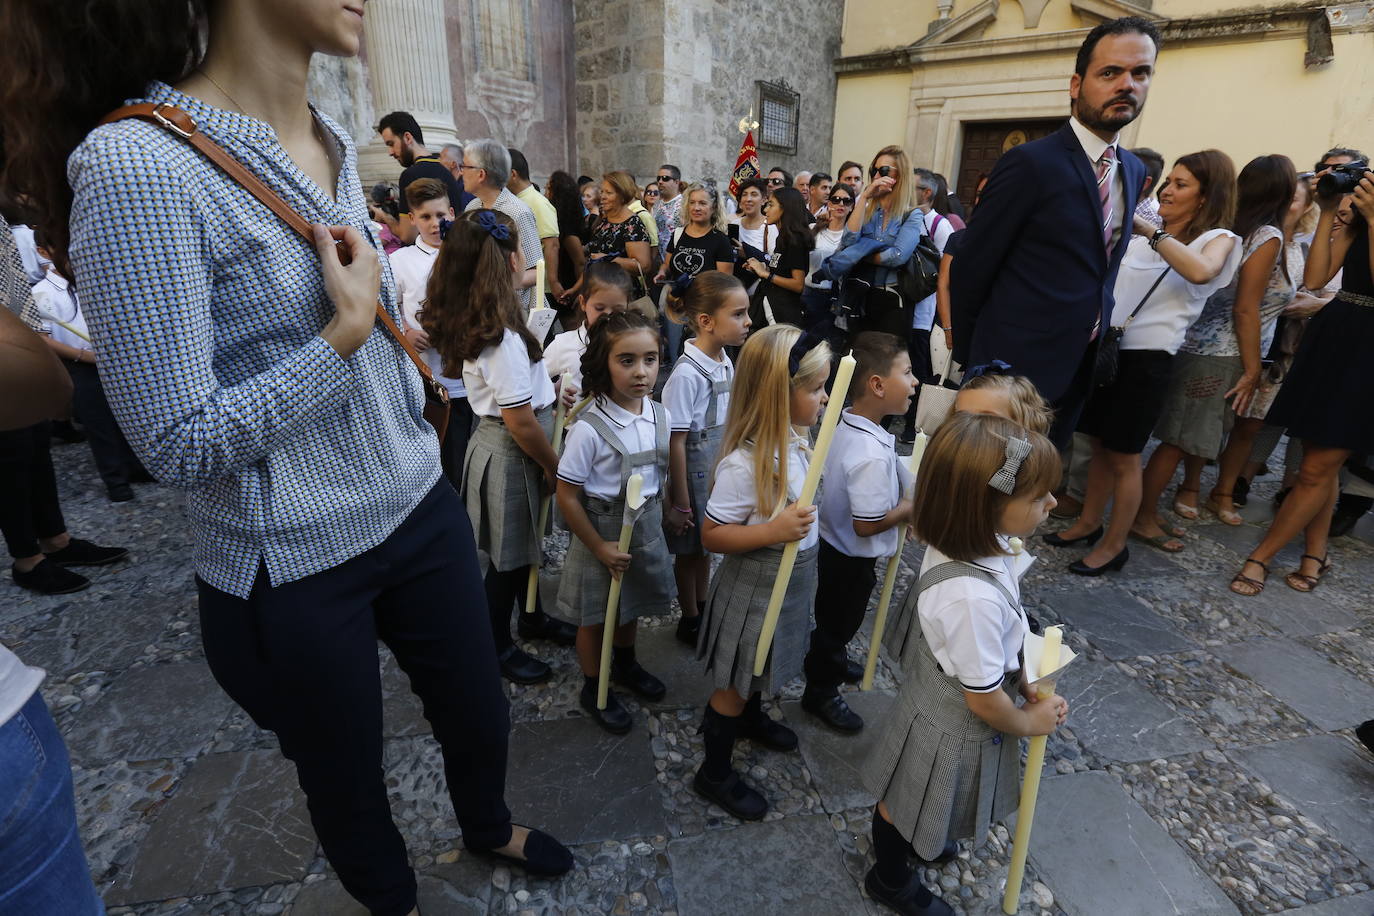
[(502, 489), (943, 772), (703, 446), (648, 585)]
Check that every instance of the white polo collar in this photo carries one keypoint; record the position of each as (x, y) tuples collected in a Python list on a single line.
[(620, 416), (865, 425), (424, 246), (695, 354)]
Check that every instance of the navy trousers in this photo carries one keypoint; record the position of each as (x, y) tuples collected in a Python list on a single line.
[(301, 659)]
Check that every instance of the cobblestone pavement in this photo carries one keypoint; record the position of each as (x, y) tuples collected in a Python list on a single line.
[(1208, 766)]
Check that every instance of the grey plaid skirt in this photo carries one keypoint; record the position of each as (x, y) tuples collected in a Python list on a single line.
[(703, 447), (902, 634), (943, 772), (648, 586), (502, 489), (735, 607)]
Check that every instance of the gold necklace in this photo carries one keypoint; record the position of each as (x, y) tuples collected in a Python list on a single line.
[(314, 122), (222, 91)]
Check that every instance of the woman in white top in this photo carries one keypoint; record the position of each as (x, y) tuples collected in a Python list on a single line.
[(1165, 278), (1220, 357)]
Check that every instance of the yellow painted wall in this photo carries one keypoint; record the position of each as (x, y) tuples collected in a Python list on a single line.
[(1058, 16), (870, 113), (876, 26), (1256, 98)]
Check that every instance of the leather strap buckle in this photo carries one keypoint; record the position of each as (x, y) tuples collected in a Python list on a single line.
[(162, 119)]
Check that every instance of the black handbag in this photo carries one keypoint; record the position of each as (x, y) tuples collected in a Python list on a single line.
[(921, 273), (1109, 347)]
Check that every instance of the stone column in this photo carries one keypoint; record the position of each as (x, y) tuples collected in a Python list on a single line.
[(407, 55)]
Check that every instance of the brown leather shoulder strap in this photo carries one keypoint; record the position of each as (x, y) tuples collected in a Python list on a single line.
[(178, 122)]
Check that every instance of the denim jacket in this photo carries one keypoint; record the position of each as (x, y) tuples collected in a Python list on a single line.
[(896, 242)]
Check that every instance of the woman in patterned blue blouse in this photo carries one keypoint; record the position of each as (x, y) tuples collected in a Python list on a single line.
[(248, 369)]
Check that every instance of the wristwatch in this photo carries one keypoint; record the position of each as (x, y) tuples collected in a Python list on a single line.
[(1159, 236)]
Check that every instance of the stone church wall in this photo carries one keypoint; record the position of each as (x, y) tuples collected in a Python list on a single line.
[(668, 80)]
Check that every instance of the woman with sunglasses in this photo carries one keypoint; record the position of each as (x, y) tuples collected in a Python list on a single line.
[(829, 230), (880, 236)]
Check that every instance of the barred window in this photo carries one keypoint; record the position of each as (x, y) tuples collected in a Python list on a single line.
[(779, 107)]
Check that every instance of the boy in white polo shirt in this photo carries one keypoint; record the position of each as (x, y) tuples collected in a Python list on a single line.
[(862, 505), (410, 266)]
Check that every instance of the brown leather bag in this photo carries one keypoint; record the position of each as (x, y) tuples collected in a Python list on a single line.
[(180, 123)]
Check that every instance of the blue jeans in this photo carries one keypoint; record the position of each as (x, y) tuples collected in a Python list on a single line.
[(42, 867)]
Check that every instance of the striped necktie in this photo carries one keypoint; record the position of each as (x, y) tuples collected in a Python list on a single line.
[(1106, 168)]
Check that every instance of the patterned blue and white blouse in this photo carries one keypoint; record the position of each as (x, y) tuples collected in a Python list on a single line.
[(205, 310)]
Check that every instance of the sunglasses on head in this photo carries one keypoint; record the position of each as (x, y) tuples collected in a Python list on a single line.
[(882, 171)]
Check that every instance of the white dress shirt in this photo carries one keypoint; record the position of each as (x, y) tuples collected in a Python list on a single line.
[(1093, 147), (411, 266)]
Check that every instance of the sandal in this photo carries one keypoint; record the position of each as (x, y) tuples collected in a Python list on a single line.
[(1183, 510), (1160, 541), (1228, 516), (1300, 581), (1255, 586)]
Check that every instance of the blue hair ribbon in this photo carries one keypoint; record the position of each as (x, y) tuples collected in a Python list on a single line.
[(497, 230)]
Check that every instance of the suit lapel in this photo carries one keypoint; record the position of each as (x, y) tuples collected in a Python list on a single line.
[(1078, 159)]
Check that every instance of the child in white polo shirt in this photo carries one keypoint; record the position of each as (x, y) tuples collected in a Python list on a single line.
[(605, 289), (865, 499), (411, 266)]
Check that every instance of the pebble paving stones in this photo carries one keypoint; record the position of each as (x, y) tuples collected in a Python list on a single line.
[(1213, 755)]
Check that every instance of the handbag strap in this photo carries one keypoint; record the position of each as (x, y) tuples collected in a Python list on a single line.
[(1146, 298), (180, 123)]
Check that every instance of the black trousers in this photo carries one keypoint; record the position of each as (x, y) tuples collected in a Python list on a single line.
[(301, 659), (29, 508), (454, 448), (114, 460), (843, 587)]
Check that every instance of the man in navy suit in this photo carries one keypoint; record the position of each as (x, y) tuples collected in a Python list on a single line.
[(1032, 282)]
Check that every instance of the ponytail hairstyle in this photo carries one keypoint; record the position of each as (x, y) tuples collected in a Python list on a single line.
[(596, 359), (702, 296), (794, 227), (66, 65), (957, 509), (761, 423), (606, 273), (470, 301)]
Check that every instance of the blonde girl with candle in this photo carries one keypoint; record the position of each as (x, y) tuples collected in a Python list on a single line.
[(752, 513)]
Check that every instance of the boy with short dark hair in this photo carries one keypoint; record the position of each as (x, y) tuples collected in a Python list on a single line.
[(862, 507)]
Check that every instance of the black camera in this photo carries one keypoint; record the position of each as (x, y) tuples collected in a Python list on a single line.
[(1342, 179)]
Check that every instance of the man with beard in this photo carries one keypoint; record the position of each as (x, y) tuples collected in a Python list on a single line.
[(406, 144), (1032, 285)]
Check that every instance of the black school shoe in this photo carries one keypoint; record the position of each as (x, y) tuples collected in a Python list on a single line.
[(541, 626), (639, 681), (119, 492), (906, 900), (732, 795), (833, 711), (687, 630), (522, 668), (544, 856), (763, 729), (615, 718), (84, 553), (47, 578)]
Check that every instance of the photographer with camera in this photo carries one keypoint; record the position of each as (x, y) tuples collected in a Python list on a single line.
[(1325, 396)]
